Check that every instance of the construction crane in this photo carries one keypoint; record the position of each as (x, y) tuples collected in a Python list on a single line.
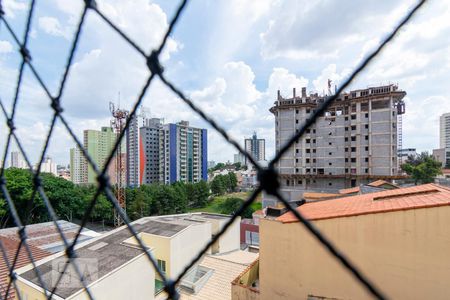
[(118, 124)]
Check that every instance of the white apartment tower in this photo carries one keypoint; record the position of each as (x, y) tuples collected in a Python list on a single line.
[(256, 147), (354, 142)]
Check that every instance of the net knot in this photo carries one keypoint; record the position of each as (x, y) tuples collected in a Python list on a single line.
[(268, 179), (153, 63)]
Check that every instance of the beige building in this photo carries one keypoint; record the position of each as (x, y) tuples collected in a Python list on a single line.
[(399, 238), (117, 268)]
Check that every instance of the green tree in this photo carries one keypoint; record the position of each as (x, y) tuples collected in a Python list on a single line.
[(138, 206), (232, 204), (423, 168), (218, 186), (202, 189), (232, 180)]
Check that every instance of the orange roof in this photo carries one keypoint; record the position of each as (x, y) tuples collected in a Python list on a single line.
[(445, 171), (10, 246), (315, 196), (380, 182), (422, 196), (350, 190)]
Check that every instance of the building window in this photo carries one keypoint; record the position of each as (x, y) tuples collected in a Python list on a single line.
[(296, 111), (287, 182), (353, 117), (296, 160), (329, 144), (346, 139), (330, 184), (367, 148), (308, 141), (346, 149), (353, 159), (308, 110), (367, 115), (367, 170), (314, 141), (353, 149), (314, 150), (162, 265), (296, 150), (314, 131), (330, 164), (299, 182), (366, 126), (366, 159), (307, 160), (308, 130), (366, 137), (354, 127), (346, 159), (314, 160), (308, 150), (346, 118), (296, 121), (330, 153), (353, 138), (346, 128), (296, 170)]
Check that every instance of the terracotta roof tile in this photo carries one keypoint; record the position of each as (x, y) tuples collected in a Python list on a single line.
[(380, 182), (350, 190), (10, 246), (427, 195)]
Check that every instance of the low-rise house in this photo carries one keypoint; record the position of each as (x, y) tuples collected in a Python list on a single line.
[(117, 268)]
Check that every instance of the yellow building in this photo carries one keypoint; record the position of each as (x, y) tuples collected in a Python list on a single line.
[(399, 238)]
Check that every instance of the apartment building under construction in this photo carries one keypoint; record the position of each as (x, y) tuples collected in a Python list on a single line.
[(356, 140)]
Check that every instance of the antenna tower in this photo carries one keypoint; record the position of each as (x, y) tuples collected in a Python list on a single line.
[(118, 120)]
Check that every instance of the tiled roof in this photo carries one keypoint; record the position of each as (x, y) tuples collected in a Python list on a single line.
[(380, 182), (226, 268), (10, 246), (352, 190), (319, 196), (422, 196)]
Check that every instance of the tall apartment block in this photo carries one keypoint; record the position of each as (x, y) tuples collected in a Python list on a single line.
[(444, 138), (149, 151), (98, 144), (77, 165), (355, 141), (17, 160), (256, 147), (135, 150), (183, 153)]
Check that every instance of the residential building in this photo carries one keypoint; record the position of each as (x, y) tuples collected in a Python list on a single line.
[(150, 147), (63, 172), (48, 166), (439, 155), (135, 149), (353, 142), (398, 238), (77, 166), (256, 147), (239, 158), (98, 144), (444, 131), (406, 152), (250, 230), (183, 153), (17, 160), (211, 164), (118, 269)]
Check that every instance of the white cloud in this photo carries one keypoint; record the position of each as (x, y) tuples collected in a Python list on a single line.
[(11, 7), (51, 25), (5, 47)]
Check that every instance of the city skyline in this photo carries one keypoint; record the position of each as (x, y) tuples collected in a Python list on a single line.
[(236, 80)]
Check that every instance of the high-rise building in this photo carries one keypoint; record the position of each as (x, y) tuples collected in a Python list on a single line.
[(444, 130), (77, 166), (149, 151), (98, 144), (17, 160), (135, 149), (354, 141), (256, 147), (48, 166), (239, 158), (183, 153)]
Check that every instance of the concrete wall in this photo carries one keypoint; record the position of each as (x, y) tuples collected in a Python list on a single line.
[(405, 253), (230, 239), (186, 245), (134, 280), (239, 292)]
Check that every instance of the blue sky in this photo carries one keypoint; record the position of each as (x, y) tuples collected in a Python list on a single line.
[(230, 57)]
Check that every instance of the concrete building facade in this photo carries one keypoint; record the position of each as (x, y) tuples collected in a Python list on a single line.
[(397, 238), (183, 153), (149, 153), (17, 160), (48, 166), (98, 144), (256, 147), (444, 131), (353, 142)]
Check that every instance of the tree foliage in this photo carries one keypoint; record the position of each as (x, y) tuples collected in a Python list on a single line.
[(422, 168), (71, 201)]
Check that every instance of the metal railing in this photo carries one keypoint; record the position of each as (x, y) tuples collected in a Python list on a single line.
[(268, 177)]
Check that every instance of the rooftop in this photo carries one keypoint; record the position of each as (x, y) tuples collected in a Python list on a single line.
[(226, 268), (422, 196), (46, 236), (10, 246), (118, 251)]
